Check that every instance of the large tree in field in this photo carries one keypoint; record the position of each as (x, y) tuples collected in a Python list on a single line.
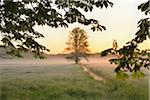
[(77, 44), (18, 18), (129, 58)]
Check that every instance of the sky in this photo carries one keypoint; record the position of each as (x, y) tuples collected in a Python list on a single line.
[(120, 22)]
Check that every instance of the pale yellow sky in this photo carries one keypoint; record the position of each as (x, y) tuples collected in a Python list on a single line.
[(120, 22)]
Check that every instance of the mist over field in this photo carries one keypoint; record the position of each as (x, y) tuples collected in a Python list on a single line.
[(57, 78), (29, 60), (53, 60)]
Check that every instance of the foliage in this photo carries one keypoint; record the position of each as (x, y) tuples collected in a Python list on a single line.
[(129, 58), (77, 44), (18, 18)]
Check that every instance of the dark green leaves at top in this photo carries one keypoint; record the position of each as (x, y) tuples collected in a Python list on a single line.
[(144, 30), (18, 18), (145, 7), (102, 3), (98, 27), (11, 6)]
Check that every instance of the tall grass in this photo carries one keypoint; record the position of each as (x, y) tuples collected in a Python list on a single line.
[(65, 82)]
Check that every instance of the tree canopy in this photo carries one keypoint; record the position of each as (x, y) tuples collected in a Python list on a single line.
[(129, 57), (77, 44), (18, 18)]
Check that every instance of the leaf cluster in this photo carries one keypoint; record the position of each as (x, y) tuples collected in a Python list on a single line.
[(129, 59), (18, 18)]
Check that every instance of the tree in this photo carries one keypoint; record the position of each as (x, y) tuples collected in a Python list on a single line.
[(77, 44), (18, 18), (130, 58)]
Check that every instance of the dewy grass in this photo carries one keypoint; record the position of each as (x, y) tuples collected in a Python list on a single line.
[(65, 82)]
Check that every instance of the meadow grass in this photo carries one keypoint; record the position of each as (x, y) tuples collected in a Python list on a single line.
[(66, 82)]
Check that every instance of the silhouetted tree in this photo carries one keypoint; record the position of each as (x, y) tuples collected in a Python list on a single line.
[(131, 59), (77, 44), (18, 18)]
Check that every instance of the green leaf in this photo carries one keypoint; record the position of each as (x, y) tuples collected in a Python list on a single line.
[(122, 75), (105, 4), (103, 27), (106, 52), (137, 75)]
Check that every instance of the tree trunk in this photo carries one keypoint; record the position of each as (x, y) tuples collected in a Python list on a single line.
[(76, 59)]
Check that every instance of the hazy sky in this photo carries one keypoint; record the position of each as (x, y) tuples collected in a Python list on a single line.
[(120, 22)]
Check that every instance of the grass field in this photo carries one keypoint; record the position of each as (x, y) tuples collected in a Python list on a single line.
[(49, 80)]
